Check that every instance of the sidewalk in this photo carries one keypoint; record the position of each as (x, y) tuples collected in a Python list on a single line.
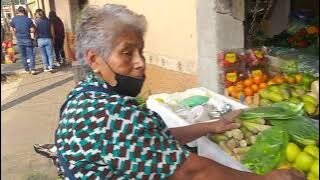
[(29, 115)]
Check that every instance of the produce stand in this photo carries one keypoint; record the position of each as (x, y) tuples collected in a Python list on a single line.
[(276, 81), (276, 134)]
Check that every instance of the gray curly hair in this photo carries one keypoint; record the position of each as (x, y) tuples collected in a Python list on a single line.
[(98, 27)]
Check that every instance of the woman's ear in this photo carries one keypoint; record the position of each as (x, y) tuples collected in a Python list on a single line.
[(100, 67), (90, 58)]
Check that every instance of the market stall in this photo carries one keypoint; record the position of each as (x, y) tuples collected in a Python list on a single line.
[(270, 137), (276, 82)]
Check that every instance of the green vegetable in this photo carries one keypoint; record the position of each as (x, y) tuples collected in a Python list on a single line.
[(296, 108), (300, 128), (194, 101), (307, 80), (267, 152), (253, 127), (280, 110), (266, 113), (257, 121), (218, 138)]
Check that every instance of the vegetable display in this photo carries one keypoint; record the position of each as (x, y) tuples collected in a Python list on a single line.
[(277, 136), (267, 152)]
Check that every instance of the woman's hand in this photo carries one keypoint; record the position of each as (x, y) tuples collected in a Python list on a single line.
[(225, 123), (285, 174)]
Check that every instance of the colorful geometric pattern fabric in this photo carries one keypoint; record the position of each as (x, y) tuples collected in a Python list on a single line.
[(107, 136)]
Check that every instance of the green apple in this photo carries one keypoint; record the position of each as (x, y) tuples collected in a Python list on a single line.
[(304, 161), (292, 152), (315, 168), (312, 150)]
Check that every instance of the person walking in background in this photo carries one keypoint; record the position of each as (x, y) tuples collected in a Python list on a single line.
[(59, 37), (21, 27), (45, 36)]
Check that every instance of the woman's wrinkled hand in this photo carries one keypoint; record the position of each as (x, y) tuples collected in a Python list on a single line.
[(226, 122), (285, 174)]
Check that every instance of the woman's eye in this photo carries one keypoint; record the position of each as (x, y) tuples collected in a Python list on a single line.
[(127, 53)]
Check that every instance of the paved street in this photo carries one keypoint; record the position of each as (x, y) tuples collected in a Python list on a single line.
[(29, 115)]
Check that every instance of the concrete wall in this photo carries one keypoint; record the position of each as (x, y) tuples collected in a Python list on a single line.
[(216, 31), (171, 40), (279, 19)]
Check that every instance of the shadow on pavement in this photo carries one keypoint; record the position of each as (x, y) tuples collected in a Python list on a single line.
[(34, 93)]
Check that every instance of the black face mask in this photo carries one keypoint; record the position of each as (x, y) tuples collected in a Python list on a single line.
[(128, 86)]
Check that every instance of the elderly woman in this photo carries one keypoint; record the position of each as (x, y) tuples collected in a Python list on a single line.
[(104, 134)]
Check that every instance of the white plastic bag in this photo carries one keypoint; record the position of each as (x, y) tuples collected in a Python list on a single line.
[(206, 148), (210, 150)]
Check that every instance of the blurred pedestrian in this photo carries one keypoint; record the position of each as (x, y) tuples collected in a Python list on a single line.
[(59, 37), (45, 37), (21, 27)]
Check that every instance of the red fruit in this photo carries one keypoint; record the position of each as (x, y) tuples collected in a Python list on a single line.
[(302, 44)]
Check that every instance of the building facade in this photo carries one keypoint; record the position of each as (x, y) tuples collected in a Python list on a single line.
[(183, 37)]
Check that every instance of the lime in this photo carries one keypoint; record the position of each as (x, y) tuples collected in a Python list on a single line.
[(315, 168), (292, 152), (312, 150), (304, 161)]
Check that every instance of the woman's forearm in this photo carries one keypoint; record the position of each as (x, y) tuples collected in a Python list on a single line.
[(189, 133), (196, 167)]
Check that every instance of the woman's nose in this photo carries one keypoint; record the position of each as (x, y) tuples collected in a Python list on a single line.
[(139, 62)]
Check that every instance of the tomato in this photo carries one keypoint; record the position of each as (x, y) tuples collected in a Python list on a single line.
[(236, 94), (231, 89), (262, 85), (239, 87), (258, 79), (247, 82), (278, 79), (248, 91), (255, 88)]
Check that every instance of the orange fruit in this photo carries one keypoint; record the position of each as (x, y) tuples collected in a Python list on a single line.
[(278, 79), (239, 87), (258, 79), (236, 94), (255, 88), (298, 78), (248, 91), (231, 89), (247, 82), (262, 85)]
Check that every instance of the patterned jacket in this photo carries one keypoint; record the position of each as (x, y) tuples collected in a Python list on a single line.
[(108, 136)]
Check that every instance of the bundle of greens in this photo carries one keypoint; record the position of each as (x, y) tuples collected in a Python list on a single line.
[(300, 128), (267, 152), (282, 110)]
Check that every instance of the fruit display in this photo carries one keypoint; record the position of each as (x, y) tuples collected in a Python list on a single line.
[(9, 52), (305, 92), (271, 137), (304, 159)]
